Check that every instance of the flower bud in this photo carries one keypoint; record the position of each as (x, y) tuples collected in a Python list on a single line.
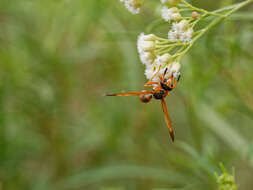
[(195, 15)]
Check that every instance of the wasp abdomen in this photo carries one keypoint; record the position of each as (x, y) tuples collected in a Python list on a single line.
[(146, 98)]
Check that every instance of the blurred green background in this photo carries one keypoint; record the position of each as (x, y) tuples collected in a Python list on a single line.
[(58, 131)]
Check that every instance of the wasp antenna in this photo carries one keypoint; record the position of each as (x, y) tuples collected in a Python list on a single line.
[(178, 78), (165, 70)]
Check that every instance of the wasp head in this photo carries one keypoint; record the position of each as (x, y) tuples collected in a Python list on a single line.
[(170, 83)]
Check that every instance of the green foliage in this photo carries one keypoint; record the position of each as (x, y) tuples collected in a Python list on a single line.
[(58, 131), (225, 180)]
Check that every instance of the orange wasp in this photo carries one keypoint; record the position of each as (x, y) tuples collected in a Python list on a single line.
[(159, 91)]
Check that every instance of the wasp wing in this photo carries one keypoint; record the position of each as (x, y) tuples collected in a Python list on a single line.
[(131, 93), (167, 119)]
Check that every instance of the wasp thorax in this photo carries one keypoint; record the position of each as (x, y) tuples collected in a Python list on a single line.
[(159, 95), (167, 86)]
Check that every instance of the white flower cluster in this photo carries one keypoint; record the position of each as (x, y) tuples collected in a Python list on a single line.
[(158, 54), (133, 5), (155, 64), (171, 14), (180, 31)]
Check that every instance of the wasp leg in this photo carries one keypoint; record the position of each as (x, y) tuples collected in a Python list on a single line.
[(167, 119), (151, 79), (150, 84)]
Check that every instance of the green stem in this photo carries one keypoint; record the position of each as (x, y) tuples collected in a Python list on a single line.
[(191, 7), (158, 47), (163, 51), (185, 9), (215, 22), (179, 52), (226, 8), (164, 44), (194, 8)]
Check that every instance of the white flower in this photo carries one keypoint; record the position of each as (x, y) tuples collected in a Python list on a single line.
[(133, 5), (147, 58), (174, 67), (176, 16), (145, 43), (162, 61), (174, 35), (147, 37), (180, 31), (180, 26), (170, 14), (140, 40), (172, 70), (150, 71), (187, 35)]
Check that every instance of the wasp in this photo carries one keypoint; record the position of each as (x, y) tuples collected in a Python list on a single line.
[(160, 89)]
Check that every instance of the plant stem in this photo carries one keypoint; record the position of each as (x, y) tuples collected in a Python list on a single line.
[(215, 22)]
